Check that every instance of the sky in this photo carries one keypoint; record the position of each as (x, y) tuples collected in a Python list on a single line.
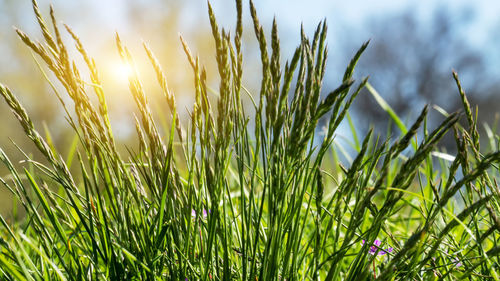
[(292, 12), (345, 18), (109, 16), (96, 21)]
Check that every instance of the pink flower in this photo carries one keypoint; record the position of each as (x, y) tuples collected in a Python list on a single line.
[(375, 249), (205, 213)]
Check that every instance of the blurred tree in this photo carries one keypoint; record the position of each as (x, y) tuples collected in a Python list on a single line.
[(410, 60)]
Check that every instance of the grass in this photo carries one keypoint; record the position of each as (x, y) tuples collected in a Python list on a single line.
[(247, 192)]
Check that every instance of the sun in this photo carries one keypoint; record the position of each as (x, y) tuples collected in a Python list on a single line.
[(122, 71)]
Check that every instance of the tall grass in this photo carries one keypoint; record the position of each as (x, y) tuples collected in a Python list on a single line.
[(247, 192)]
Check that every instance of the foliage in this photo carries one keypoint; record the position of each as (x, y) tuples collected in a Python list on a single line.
[(233, 195)]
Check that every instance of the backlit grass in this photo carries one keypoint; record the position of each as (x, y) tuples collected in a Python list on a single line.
[(246, 189)]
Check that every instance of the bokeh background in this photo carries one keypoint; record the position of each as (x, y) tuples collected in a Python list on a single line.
[(414, 47)]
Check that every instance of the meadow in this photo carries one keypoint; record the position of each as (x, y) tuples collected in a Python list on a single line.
[(249, 187)]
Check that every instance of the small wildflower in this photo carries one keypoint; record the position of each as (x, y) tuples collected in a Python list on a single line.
[(375, 249), (455, 260), (205, 213)]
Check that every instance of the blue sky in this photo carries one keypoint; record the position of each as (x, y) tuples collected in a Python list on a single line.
[(345, 18), (111, 14), (97, 20), (292, 12)]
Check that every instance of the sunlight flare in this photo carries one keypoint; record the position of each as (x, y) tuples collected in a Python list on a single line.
[(121, 71)]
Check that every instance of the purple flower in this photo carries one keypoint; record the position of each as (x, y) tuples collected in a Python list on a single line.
[(457, 262), (205, 213), (375, 249)]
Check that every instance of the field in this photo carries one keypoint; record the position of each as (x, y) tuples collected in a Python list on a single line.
[(250, 187)]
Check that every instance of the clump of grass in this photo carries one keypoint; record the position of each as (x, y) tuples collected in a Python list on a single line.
[(233, 195)]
